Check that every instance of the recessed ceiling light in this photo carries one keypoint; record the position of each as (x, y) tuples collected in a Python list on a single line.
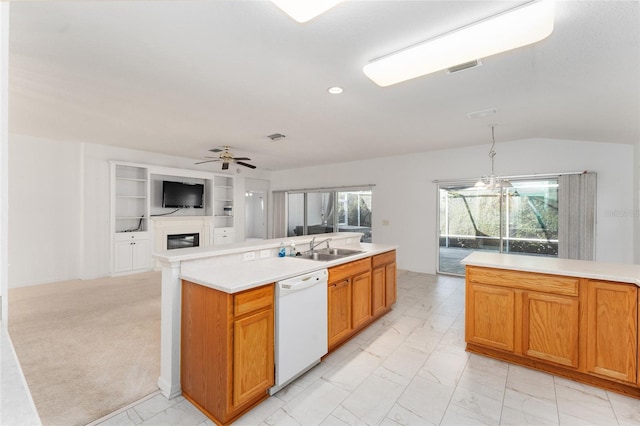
[(518, 27), (335, 90), (305, 10)]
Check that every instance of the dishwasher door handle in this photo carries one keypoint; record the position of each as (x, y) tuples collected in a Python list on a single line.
[(301, 285)]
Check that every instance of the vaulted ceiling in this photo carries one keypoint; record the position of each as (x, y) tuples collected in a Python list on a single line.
[(182, 77)]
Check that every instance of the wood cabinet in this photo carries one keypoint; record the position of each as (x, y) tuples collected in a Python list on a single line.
[(550, 328), (349, 300), (490, 316), (612, 334), (361, 300), (383, 275), (227, 349), (339, 311), (578, 328)]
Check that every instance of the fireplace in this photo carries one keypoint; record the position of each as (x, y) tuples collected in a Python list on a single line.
[(177, 241)]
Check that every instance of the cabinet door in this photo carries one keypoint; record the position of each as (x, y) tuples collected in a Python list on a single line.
[(140, 256), (377, 291), (612, 330), (551, 328), (253, 365), (490, 316), (123, 260), (361, 300), (390, 284), (339, 307)]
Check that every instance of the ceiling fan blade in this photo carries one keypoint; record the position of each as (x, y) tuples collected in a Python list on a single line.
[(251, 166), (208, 161), (241, 158), (225, 166), (216, 150)]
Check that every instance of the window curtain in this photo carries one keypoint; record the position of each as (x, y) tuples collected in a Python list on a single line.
[(577, 216), (279, 214)]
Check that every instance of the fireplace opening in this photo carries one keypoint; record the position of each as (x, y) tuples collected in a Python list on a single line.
[(178, 241)]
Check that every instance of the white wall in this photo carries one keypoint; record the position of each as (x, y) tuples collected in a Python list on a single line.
[(636, 211), (405, 195), (59, 234), (4, 169), (45, 220)]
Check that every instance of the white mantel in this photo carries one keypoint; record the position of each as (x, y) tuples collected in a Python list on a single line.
[(171, 225)]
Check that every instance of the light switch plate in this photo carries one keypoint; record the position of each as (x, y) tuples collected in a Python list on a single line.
[(264, 253)]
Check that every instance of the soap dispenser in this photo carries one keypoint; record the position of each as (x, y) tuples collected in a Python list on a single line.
[(293, 249), (281, 252)]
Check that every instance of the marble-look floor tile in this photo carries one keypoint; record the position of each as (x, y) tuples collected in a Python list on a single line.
[(401, 366), (530, 405), (444, 367), (456, 416), (354, 370), (476, 406), (426, 399), (316, 403), (582, 403), (370, 402), (515, 417), (181, 413), (627, 409)]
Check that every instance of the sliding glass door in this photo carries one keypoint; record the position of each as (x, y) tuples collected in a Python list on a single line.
[(520, 219), (319, 212)]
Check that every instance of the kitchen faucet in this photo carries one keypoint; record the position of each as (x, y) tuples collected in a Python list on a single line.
[(313, 244)]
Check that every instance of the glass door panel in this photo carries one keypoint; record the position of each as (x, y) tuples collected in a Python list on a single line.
[(320, 212), (354, 213), (295, 214), (520, 219)]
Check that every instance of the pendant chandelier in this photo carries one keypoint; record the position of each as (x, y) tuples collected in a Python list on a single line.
[(492, 182)]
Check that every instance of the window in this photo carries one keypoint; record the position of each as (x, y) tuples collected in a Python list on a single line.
[(323, 211), (521, 219)]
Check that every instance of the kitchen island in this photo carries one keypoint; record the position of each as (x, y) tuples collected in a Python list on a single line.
[(576, 319), (236, 337)]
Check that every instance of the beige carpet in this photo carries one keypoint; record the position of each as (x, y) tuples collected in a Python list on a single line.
[(88, 347)]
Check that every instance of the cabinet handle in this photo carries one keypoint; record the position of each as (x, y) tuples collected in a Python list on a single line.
[(340, 284)]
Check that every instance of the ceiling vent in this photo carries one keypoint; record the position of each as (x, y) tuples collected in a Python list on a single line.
[(463, 67)]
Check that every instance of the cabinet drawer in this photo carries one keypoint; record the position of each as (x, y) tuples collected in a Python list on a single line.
[(545, 283), (350, 269), (253, 300), (383, 259)]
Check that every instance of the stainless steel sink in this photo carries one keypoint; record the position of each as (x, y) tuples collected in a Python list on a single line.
[(328, 254), (325, 257), (340, 251)]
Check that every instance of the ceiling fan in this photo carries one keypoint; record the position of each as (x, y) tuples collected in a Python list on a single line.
[(227, 157)]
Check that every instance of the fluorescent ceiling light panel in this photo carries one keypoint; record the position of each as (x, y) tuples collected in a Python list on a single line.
[(518, 27), (305, 10)]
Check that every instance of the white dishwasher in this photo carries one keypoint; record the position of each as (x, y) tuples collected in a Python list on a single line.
[(301, 325)]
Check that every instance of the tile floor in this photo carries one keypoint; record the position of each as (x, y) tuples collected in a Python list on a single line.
[(410, 368)]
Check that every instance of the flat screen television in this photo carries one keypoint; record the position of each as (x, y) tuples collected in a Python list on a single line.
[(182, 195)]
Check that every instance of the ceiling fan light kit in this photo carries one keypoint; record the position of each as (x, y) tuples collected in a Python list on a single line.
[(305, 10), (226, 157), (515, 28)]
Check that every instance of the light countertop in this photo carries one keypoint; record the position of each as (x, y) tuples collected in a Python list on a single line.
[(619, 272), (237, 276)]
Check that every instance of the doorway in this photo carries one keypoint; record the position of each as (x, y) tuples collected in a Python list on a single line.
[(255, 207)]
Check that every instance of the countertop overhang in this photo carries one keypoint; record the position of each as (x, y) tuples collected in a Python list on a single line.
[(233, 277), (618, 272)]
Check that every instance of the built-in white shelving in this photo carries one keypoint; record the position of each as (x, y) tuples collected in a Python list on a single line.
[(223, 201)]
